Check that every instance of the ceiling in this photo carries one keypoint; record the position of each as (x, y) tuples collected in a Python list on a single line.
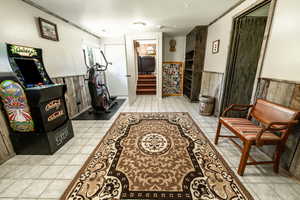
[(116, 17)]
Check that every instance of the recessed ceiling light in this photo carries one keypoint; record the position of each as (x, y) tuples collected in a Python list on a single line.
[(160, 26), (186, 4), (139, 24)]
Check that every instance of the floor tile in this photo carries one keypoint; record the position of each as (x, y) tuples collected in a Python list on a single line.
[(55, 189), (52, 172), (64, 159), (78, 159), (35, 189), (34, 172), (16, 188), (5, 183), (69, 172)]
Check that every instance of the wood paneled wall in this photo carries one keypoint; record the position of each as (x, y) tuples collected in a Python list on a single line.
[(212, 85), (6, 149), (77, 95), (285, 93)]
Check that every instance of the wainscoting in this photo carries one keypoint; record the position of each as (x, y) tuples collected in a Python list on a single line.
[(6, 149), (77, 95), (286, 93), (279, 91), (212, 85)]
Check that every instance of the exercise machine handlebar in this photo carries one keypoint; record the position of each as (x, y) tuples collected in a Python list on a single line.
[(97, 66)]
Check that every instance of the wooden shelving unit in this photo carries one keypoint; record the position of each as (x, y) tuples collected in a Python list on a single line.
[(194, 62)]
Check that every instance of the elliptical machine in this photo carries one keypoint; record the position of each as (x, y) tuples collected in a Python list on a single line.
[(100, 97)]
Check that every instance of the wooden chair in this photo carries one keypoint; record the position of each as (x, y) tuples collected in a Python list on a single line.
[(276, 123)]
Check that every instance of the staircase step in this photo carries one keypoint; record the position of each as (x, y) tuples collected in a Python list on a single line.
[(146, 90), (146, 84), (146, 76), (146, 80)]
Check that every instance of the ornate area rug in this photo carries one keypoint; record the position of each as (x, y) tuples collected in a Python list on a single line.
[(155, 156)]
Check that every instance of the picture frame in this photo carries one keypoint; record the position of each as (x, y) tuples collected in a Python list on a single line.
[(172, 78), (48, 30), (215, 46)]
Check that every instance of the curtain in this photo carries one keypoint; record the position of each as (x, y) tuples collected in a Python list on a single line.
[(247, 40)]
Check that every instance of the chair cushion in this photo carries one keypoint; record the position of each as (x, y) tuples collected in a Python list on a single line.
[(247, 130)]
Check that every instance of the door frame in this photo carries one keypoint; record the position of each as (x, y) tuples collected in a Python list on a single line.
[(130, 55), (264, 46)]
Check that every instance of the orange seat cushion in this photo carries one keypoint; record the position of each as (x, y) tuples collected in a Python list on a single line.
[(247, 130)]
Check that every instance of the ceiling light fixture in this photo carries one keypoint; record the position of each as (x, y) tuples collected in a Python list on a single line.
[(139, 24)]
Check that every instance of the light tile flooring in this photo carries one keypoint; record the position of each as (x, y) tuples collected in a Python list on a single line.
[(46, 177)]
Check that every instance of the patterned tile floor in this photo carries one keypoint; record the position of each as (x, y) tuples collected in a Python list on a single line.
[(46, 177)]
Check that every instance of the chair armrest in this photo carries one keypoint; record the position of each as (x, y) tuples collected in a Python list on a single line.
[(270, 127), (236, 107)]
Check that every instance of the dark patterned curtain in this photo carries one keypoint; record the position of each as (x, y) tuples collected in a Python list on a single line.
[(245, 53)]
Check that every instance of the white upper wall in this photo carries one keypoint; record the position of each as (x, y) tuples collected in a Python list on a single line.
[(282, 59), (64, 58), (221, 30), (179, 54)]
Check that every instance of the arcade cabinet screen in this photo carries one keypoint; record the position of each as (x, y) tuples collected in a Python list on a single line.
[(29, 71)]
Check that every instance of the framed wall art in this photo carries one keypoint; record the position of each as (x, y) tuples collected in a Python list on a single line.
[(172, 79), (215, 46), (48, 30)]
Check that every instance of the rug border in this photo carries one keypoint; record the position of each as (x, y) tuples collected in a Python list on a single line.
[(232, 173), (64, 195)]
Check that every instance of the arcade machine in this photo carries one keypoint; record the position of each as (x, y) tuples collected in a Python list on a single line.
[(35, 107)]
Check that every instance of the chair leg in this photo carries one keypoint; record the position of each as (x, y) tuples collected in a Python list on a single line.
[(277, 156), (244, 158), (218, 133)]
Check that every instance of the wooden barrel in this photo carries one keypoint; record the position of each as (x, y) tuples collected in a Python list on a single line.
[(206, 105)]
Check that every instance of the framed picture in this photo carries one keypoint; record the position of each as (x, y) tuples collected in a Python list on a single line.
[(215, 46), (48, 29)]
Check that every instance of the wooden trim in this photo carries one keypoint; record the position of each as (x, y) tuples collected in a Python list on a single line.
[(264, 46), (222, 73), (33, 4), (68, 76), (226, 12), (181, 77), (244, 12), (76, 115), (171, 62), (254, 6), (279, 80)]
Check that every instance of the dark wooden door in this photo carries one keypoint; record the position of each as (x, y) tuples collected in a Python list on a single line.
[(241, 71)]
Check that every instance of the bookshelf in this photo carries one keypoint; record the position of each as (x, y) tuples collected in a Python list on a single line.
[(194, 62)]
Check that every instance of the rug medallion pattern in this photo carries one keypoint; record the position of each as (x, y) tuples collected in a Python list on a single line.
[(155, 156)]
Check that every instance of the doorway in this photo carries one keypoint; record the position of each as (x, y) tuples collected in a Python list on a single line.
[(116, 73), (246, 45), (132, 68), (146, 66)]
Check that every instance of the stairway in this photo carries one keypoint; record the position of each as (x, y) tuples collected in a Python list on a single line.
[(146, 85)]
